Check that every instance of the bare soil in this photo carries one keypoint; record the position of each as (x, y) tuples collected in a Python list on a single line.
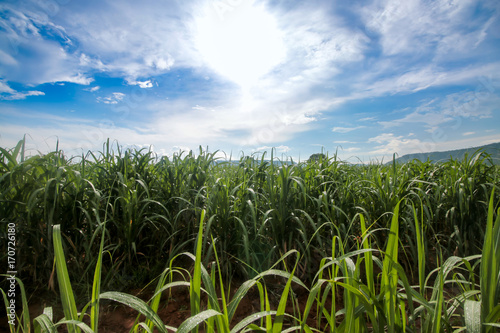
[(174, 307)]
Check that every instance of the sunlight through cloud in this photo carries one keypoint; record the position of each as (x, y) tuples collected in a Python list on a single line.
[(241, 42)]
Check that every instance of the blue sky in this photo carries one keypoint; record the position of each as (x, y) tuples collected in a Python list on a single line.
[(364, 78)]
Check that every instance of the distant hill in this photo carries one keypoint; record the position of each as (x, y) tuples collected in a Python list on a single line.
[(441, 156)]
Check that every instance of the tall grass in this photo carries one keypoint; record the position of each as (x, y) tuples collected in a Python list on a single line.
[(381, 303), (395, 242)]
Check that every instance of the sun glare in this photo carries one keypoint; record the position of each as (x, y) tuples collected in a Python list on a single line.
[(240, 42)]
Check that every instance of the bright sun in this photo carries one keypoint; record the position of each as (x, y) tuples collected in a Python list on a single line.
[(240, 41)]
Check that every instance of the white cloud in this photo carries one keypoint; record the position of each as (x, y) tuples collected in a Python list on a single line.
[(346, 129), (368, 119), (326, 42), (4, 88), (41, 118), (6, 59), (452, 109), (76, 134), (468, 133), (35, 59), (279, 149), (92, 89), (390, 144), (105, 41), (430, 21), (351, 149), (145, 84), (429, 52), (161, 63), (7, 93), (132, 40), (244, 121), (315, 53), (89, 62), (114, 98), (21, 95), (381, 80), (142, 84), (77, 78), (341, 142)]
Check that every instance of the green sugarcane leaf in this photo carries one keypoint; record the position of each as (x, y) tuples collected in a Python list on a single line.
[(472, 316), (251, 318), (136, 304), (67, 297), (193, 321), (43, 323), (96, 288)]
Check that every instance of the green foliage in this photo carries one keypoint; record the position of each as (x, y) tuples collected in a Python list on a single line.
[(256, 209), (387, 307), (391, 240)]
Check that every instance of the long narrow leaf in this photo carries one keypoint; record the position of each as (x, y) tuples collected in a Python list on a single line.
[(194, 321), (490, 265), (96, 288), (136, 304), (195, 290), (389, 274), (43, 323), (250, 319), (278, 324), (67, 297), (419, 234), (472, 316)]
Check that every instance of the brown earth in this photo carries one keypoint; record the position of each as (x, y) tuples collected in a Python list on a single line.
[(174, 307)]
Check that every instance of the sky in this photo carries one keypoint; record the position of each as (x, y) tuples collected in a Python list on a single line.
[(363, 79)]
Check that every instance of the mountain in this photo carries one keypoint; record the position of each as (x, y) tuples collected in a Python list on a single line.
[(441, 156)]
